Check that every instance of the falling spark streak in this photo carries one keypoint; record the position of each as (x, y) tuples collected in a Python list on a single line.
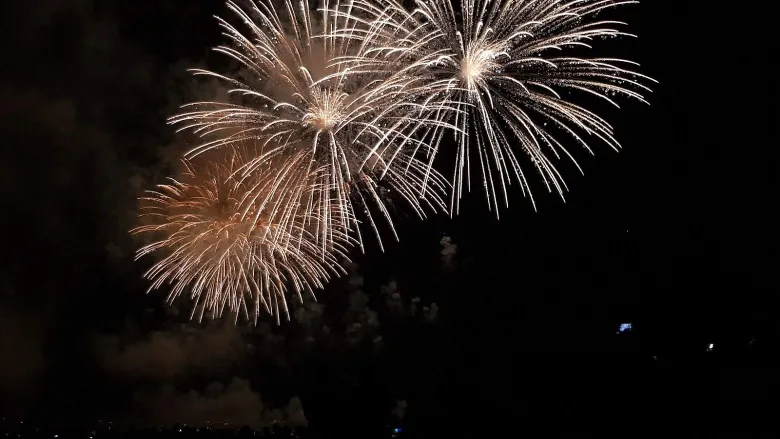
[(503, 66), (352, 134), (228, 255)]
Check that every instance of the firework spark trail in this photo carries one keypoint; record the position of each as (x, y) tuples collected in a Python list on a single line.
[(297, 103), (505, 66), (229, 253)]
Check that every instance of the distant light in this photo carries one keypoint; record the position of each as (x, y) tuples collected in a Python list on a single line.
[(710, 347), (625, 327), (396, 430)]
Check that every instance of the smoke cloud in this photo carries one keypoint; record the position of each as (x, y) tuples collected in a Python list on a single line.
[(21, 342), (448, 252), (165, 355), (234, 405)]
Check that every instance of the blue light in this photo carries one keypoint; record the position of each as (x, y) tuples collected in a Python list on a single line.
[(396, 430), (625, 327)]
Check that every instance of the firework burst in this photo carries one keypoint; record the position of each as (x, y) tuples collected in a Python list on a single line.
[(340, 108), (507, 68), (229, 253), (292, 100)]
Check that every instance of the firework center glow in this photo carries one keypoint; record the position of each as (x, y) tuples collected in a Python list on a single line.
[(325, 109), (469, 69), (474, 65)]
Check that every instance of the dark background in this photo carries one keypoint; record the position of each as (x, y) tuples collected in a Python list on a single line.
[(676, 234)]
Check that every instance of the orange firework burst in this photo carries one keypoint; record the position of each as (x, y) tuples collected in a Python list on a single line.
[(232, 253)]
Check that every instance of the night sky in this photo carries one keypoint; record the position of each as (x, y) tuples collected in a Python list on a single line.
[(676, 234)]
